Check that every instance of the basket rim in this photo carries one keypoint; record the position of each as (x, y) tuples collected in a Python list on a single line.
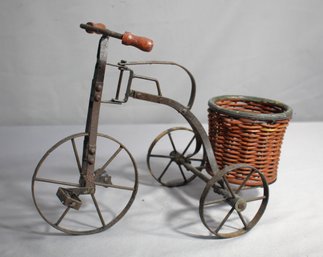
[(285, 115)]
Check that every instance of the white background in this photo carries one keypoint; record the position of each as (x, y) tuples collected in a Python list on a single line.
[(163, 222), (271, 49)]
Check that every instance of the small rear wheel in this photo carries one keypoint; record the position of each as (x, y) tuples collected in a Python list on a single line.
[(169, 151), (229, 210)]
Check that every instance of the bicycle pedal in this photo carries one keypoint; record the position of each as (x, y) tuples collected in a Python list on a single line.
[(104, 179), (69, 198)]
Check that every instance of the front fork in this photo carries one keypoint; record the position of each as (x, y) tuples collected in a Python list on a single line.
[(70, 196), (87, 177)]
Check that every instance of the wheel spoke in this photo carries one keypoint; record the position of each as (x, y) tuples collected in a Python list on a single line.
[(172, 141), (164, 171), (189, 144), (242, 219), (160, 156), (111, 158), (256, 199), (244, 182), (62, 216), (98, 209), (114, 186), (58, 182), (195, 159), (214, 201), (77, 158), (228, 186), (224, 220), (248, 188), (182, 172)]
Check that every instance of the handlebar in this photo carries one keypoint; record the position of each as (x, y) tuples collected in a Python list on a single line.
[(127, 38)]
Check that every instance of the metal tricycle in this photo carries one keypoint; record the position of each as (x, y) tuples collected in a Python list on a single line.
[(88, 193)]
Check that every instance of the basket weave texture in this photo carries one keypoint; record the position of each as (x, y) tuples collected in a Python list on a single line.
[(248, 130)]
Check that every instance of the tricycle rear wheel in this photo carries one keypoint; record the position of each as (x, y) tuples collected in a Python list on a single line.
[(229, 210), (167, 153)]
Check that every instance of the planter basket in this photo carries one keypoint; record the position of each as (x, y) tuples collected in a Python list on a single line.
[(248, 130)]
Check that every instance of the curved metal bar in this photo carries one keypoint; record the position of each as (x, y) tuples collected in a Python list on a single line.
[(193, 84), (196, 125)]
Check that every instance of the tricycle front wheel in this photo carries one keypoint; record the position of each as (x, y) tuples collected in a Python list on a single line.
[(56, 183)]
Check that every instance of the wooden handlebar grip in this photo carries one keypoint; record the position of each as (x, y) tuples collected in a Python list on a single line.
[(98, 26), (142, 43)]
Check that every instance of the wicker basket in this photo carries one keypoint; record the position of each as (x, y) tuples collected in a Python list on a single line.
[(248, 130)]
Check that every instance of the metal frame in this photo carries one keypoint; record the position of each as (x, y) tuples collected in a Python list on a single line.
[(89, 178)]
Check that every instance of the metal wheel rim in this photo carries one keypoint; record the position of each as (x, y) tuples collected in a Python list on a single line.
[(149, 155), (256, 217), (113, 221)]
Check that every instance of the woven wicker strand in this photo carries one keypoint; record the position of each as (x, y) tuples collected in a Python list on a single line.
[(248, 130)]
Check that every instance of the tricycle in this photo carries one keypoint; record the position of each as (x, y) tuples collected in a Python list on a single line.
[(87, 182)]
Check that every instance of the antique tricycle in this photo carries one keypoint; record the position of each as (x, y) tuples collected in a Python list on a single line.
[(86, 182)]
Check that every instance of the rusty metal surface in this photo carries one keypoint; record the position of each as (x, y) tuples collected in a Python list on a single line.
[(92, 121)]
